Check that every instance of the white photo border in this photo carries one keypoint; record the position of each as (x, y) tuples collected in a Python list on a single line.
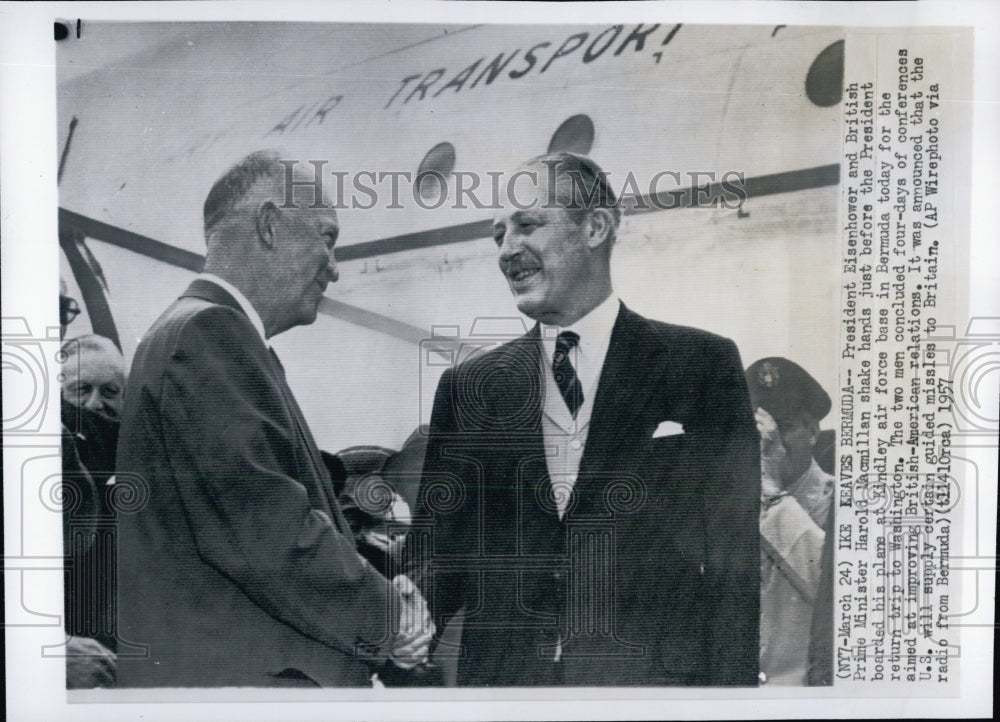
[(28, 201)]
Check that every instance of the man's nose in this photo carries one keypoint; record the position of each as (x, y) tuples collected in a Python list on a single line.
[(332, 272), (93, 401), (509, 247)]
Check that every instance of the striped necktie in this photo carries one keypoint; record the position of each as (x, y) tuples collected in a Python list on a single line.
[(565, 374)]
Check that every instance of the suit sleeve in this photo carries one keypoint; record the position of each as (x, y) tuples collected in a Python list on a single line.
[(233, 456), (731, 510)]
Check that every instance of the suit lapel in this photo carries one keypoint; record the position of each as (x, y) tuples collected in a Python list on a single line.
[(627, 384), (306, 439), (516, 394), (208, 291)]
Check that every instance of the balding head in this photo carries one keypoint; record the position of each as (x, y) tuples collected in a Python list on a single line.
[(261, 170), (271, 241), (94, 375)]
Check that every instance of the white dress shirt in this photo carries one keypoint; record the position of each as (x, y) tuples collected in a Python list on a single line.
[(566, 437), (245, 304)]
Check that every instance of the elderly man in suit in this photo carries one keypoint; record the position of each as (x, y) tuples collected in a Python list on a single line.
[(240, 569), (93, 380), (94, 375), (591, 487)]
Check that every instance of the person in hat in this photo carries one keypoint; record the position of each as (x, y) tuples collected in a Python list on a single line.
[(372, 507), (795, 504)]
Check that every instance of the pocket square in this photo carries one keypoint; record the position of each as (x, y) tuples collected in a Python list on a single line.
[(668, 428)]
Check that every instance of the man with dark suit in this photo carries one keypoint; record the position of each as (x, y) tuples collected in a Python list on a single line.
[(238, 567), (592, 487), (94, 373)]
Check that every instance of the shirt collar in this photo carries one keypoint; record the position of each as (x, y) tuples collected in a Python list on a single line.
[(242, 300), (594, 330)]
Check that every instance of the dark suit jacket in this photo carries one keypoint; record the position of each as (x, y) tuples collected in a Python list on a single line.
[(652, 577), (88, 460), (238, 568)]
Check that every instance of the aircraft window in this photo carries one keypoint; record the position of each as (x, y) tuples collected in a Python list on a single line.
[(575, 135), (825, 80), (434, 169)]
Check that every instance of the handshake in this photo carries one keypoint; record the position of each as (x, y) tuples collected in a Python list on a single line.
[(412, 643)]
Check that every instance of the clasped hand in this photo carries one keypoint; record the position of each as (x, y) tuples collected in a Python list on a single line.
[(416, 628)]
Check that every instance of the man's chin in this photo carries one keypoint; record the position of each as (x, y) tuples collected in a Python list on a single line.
[(528, 305), (308, 316), (538, 311)]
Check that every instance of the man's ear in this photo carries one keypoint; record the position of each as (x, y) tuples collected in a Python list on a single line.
[(267, 221), (598, 227)]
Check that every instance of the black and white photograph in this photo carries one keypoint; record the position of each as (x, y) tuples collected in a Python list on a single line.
[(413, 356)]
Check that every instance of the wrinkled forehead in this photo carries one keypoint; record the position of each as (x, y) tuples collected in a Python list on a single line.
[(310, 191), (323, 218), (94, 365), (533, 188), (303, 193)]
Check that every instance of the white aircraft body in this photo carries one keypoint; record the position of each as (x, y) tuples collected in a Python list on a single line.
[(150, 115)]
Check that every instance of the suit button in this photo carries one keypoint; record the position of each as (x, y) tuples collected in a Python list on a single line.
[(575, 444), (557, 575)]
